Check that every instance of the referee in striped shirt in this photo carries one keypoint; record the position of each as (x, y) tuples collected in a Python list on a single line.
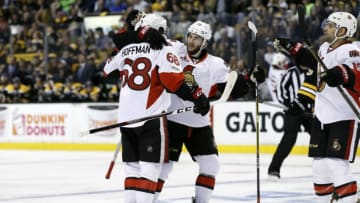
[(288, 94)]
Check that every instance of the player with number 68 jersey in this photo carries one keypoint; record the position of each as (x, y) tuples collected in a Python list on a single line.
[(144, 74), (149, 71)]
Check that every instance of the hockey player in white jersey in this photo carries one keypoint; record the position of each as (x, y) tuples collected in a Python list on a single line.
[(148, 70), (192, 130), (335, 132)]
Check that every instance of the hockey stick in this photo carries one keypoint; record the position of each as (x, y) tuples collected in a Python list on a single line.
[(348, 99), (112, 163), (121, 124), (280, 106), (224, 97), (253, 29), (285, 108), (233, 75)]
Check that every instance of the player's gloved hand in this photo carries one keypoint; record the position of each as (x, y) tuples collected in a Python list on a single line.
[(300, 105), (339, 75), (258, 75), (132, 18), (303, 57), (287, 45), (201, 102)]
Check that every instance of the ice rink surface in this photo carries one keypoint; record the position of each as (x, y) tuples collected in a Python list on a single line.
[(79, 177)]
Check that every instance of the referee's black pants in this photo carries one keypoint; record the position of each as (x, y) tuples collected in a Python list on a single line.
[(292, 125)]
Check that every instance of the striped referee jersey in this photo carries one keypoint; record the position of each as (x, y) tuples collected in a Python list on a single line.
[(289, 85)]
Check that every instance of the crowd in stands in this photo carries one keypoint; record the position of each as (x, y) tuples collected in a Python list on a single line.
[(48, 55)]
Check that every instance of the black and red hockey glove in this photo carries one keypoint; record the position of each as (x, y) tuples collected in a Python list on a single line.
[(288, 46), (190, 90), (339, 75), (201, 102), (303, 57)]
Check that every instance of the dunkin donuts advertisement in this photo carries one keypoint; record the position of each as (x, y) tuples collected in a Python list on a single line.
[(45, 120), (57, 122)]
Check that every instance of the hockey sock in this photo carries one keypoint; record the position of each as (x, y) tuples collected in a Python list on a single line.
[(147, 183), (204, 187), (164, 174), (208, 168), (323, 185)]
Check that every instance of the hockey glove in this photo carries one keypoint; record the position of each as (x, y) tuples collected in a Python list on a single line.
[(190, 91), (132, 18), (258, 75), (300, 105), (303, 57), (339, 75), (287, 45), (202, 104)]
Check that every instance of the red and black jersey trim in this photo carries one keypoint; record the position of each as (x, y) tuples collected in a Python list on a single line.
[(140, 184), (130, 183), (146, 185), (323, 189), (346, 189)]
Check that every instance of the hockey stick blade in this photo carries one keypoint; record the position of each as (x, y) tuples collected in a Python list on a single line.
[(252, 27), (233, 75), (301, 18)]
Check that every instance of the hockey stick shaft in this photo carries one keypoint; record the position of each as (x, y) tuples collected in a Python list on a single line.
[(117, 125), (112, 163), (307, 114), (347, 98), (280, 106), (253, 29)]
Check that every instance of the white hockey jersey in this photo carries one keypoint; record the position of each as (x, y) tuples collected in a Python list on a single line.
[(208, 71), (179, 47), (330, 106), (145, 73)]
